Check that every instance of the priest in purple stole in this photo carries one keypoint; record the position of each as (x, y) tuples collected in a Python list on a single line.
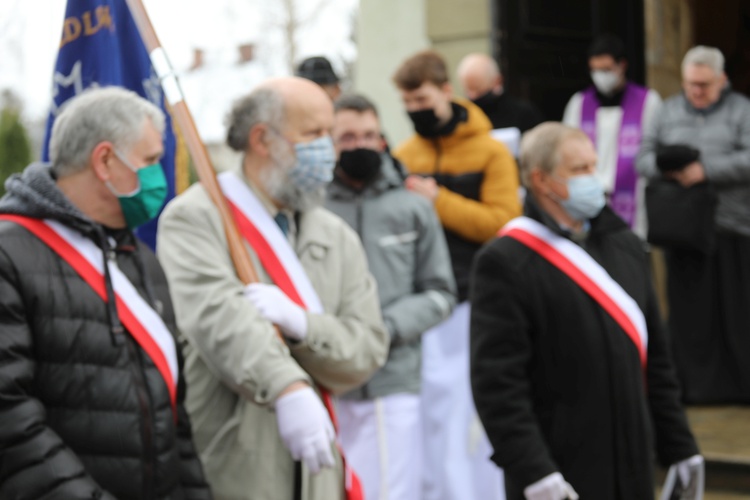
[(613, 112)]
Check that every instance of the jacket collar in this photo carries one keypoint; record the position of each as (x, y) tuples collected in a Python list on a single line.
[(34, 193), (476, 123), (607, 221), (390, 177), (713, 107)]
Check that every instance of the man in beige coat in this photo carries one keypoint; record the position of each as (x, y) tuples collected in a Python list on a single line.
[(254, 399)]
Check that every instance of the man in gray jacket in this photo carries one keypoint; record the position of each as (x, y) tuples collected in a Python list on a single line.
[(407, 254), (709, 293), (258, 401)]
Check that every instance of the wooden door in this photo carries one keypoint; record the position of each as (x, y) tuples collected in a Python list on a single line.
[(541, 45)]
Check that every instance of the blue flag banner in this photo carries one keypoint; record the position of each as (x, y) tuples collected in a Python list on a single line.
[(100, 46)]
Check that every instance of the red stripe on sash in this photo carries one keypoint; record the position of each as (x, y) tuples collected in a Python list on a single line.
[(96, 281), (579, 277), (281, 279), (352, 485), (267, 256)]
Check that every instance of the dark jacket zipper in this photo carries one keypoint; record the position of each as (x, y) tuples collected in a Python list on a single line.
[(144, 404), (438, 154), (147, 427), (358, 198)]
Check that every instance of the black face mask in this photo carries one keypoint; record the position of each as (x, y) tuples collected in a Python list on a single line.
[(360, 164), (425, 122), (486, 100)]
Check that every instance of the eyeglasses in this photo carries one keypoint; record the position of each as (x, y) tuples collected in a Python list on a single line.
[(350, 139), (701, 85)]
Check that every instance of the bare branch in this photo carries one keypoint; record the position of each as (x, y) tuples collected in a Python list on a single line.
[(321, 6)]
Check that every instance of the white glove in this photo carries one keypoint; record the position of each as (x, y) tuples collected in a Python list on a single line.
[(305, 428), (685, 478), (552, 487), (276, 307)]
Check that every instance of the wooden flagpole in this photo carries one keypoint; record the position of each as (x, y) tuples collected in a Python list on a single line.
[(206, 173)]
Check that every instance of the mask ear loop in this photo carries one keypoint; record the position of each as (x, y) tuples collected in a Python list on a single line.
[(112, 189), (292, 146)]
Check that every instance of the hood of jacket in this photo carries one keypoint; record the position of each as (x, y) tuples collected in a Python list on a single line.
[(34, 193), (606, 221)]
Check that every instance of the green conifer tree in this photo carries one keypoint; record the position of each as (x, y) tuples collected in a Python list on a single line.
[(15, 148)]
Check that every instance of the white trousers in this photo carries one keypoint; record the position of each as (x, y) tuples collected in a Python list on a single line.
[(456, 461), (382, 440)]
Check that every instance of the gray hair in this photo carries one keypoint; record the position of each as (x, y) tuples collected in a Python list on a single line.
[(263, 105), (354, 102), (540, 148), (98, 114), (702, 55)]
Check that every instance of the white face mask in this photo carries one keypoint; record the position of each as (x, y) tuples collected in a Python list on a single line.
[(585, 197), (606, 81)]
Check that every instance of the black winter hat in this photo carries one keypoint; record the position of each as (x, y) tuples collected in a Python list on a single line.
[(318, 69)]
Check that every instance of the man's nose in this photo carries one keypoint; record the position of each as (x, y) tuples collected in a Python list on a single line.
[(361, 142)]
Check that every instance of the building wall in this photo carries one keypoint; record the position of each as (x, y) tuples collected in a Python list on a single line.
[(388, 31), (457, 28), (669, 34)]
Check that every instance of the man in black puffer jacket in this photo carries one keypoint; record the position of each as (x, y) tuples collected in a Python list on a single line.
[(91, 407)]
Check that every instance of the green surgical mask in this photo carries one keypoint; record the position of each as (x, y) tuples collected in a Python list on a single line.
[(144, 203)]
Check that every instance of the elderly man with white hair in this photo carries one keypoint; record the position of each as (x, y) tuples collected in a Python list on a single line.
[(701, 140), (260, 401)]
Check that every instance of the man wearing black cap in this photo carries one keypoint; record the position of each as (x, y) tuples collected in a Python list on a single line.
[(319, 70)]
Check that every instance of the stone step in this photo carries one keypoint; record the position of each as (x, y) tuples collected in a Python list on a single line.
[(723, 434)]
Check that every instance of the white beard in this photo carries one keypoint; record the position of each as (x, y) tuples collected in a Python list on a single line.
[(279, 186)]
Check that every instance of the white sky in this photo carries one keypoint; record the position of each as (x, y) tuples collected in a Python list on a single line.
[(30, 34)]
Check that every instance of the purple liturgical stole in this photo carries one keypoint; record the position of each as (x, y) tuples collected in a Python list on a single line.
[(622, 199)]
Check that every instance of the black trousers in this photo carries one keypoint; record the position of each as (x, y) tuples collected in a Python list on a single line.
[(709, 320)]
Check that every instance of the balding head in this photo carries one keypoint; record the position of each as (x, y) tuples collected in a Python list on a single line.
[(479, 74), (279, 103), (275, 127), (308, 109)]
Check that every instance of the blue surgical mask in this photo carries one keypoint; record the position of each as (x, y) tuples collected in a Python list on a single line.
[(585, 197), (314, 167)]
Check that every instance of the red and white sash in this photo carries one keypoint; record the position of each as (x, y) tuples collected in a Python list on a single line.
[(137, 316), (280, 261), (579, 266)]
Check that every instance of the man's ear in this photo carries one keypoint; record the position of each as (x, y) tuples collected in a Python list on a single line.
[(259, 141), (498, 85), (101, 157), (537, 181)]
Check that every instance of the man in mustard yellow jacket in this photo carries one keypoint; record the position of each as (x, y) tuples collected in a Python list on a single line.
[(472, 180)]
